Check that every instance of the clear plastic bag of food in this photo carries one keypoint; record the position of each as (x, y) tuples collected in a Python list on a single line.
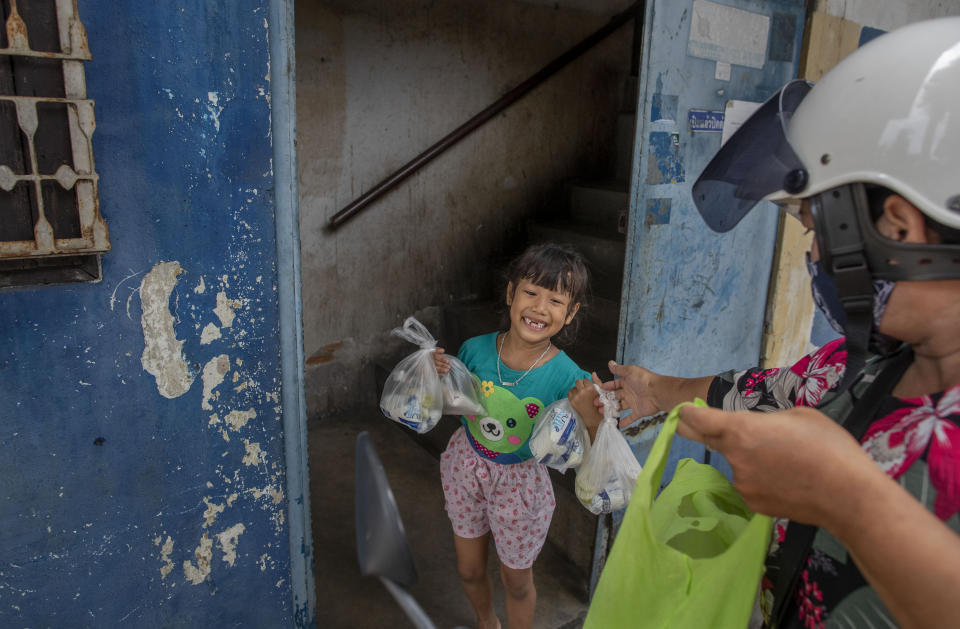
[(412, 394), (608, 474), (461, 390), (560, 439)]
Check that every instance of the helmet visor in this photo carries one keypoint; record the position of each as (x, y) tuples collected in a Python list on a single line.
[(756, 162)]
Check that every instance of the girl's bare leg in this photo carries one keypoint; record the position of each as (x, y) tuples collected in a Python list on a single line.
[(472, 567), (521, 596)]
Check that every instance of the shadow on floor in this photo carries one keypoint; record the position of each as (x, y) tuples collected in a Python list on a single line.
[(344, 598)]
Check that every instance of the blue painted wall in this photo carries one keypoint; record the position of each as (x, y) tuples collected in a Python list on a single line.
[(693, 300), (136, 499)]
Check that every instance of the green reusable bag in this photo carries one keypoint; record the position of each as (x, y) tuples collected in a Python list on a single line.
[(691, 559)]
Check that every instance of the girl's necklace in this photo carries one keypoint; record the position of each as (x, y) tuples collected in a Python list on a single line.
[(524, 375)]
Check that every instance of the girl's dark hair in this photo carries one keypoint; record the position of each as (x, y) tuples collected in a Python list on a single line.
[(554, 267)]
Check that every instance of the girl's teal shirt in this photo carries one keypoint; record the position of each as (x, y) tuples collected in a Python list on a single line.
[(503, 434)]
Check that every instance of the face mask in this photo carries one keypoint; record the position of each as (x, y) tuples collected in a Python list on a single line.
[(825, 297)]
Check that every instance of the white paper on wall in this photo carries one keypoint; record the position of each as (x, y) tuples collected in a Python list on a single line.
[(735, 114), (728, 35)]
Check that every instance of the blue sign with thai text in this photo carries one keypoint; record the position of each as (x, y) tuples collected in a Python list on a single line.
[(703, 120)]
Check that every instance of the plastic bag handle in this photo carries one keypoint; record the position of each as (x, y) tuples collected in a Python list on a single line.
[(657, 459), (611, 407), (416, 333)]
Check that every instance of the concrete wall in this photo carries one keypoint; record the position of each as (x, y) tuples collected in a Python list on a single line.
[(379, 82), (142, 448)]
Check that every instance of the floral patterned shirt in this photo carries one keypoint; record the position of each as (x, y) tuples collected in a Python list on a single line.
[(916, 441)]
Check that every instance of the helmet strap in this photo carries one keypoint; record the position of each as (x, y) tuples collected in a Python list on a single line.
[(843, 255)]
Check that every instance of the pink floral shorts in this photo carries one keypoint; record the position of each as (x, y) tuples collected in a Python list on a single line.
[(515, 502)]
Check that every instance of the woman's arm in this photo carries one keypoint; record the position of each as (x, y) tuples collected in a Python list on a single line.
[(645, 392), (906, 553), (801, 465)]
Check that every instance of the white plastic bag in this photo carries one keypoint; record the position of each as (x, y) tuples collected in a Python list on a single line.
[(560, 440), (461, 390), (412, 394), (609, 472)]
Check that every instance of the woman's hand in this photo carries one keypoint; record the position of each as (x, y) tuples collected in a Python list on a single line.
[(441, 362), (801, 465), (796, 463), (633, 387), (646, 393)]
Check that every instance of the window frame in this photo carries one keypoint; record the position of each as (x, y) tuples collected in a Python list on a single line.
[(82, 178)]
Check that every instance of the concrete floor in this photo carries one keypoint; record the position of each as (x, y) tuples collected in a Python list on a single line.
[(344, 598)]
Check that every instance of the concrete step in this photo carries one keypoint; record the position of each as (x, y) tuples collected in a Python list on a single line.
[(603, 204), (603, 251)]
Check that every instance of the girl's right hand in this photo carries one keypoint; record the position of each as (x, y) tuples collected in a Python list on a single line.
[(441, 362)]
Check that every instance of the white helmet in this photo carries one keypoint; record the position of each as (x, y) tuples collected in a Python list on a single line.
[(887, 117), (888, 114)]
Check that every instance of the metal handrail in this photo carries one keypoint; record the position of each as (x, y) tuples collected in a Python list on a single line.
[(475, 122)]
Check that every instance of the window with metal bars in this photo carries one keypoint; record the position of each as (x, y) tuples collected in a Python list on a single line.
[(51, 230)]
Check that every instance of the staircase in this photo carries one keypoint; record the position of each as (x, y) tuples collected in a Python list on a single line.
[(592, 218), (595, 224), (594, 221)]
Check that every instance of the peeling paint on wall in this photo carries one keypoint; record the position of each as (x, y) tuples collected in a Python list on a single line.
[(278, 518), (228, 542), (275, 494), (224, 309), (229, 411), (196, 574), (664, 164), (162, 353), (238, 419), (210, 333), (165, 551), (213, 374), (213, 106), (254, 455), (127, 351), (213, 510)]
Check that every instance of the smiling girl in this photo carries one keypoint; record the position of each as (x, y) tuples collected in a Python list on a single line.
[(491, 482)]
